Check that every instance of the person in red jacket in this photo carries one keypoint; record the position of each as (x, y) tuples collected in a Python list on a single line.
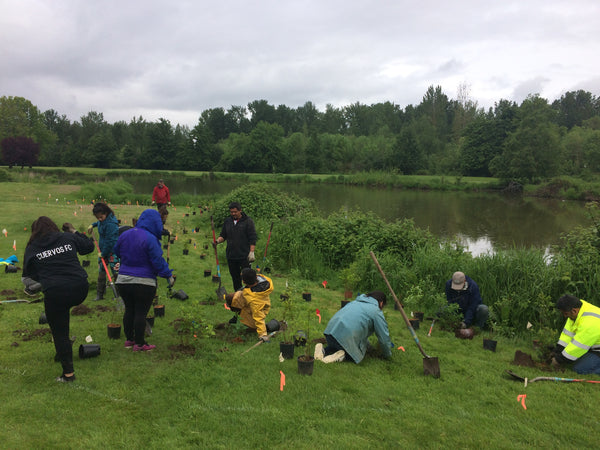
[(161, 195)]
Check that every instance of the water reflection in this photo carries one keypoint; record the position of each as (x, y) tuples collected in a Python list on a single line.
[(482, 221)]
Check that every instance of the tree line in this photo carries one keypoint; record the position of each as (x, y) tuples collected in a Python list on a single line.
[(529, 141)]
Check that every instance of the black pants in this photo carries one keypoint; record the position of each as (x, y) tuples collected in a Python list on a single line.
[(235, 270), (57, 304), (138, 299)]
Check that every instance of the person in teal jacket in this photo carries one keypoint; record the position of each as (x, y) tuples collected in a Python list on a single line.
[(108, 233), (348, 330)]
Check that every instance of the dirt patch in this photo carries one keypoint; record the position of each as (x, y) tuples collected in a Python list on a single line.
[(181, 350), (103, 308), (80, 310), (28, 335), (228, 332), (7, 292), (523, 359)]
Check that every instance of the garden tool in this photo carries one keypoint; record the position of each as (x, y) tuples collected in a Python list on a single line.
[(212, 224), (564, 380), (431, 327), (118, 299), (20, 301), (431, 364), (264, 261), (270, 335)]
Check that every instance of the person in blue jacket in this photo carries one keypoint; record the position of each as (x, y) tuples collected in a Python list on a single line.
[(348, 330), (108, 233), (464, 291), (142, 261)]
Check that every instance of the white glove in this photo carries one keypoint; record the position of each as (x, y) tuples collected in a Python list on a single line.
[(90, 229), (264, 338), (171, 281), (251, 257)]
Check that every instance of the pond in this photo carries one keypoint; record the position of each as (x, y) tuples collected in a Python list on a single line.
[(481, 221)]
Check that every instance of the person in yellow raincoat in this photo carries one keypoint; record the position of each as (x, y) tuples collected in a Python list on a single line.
[(252, 302)]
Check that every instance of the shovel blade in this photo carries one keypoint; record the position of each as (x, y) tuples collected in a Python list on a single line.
[(431, 366), (221, 292)]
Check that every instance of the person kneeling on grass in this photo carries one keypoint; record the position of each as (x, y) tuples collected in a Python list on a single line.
[(579, 342), (252, 302), (348, 330)]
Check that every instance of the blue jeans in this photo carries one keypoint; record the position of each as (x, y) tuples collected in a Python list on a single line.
[(588, 363)]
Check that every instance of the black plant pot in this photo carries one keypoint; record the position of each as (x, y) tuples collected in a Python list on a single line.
[(489, 344), (305, 365), (414, 323), (159, 311), (85, 263), (10, 268), (150, 320), (207, 273), (307, 296), (344, 303), (287, 350), (216, 278), (88, 350), (114, 330), (185, 251), (419, 315)]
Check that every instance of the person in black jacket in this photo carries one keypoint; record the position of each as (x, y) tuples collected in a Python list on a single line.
[(239, 232), (51, 259)]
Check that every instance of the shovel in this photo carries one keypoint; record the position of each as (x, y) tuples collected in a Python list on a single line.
[(116, 295), (220, 290), (431, 365), (564, 380), (264, 261)]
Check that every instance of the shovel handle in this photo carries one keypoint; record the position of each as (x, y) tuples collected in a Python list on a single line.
[(212, 225), (410, 328)]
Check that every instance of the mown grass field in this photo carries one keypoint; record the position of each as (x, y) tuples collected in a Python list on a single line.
[(219, 398)]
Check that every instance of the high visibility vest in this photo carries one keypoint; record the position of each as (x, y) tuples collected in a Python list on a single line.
[(582, 334)]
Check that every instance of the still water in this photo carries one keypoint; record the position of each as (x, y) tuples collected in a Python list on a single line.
[(481, 221)]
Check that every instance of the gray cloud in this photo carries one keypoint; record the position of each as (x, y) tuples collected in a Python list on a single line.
[(167, 59)]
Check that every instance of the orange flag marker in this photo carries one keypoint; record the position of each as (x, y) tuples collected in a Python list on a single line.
[(281, 380), (226, 307), (521, 398), (401, 348), (318, 315)]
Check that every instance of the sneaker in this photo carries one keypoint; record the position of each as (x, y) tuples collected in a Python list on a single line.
[(64, 379), (319, 352), (129, 344), (338, 356), (143, 348)]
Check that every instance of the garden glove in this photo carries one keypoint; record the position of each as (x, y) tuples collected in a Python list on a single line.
[(264, 338), (463, 325), (90, 229), (171, 281), (251, 257), (214, 244), (169, 203), (555, 363)]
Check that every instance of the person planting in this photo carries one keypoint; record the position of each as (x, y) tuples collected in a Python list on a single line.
[(239, 232), (108, 233), (141, 262), (253, 302), (463, 291), (161, 195), (579, 342), (348, 331), (51, 259)]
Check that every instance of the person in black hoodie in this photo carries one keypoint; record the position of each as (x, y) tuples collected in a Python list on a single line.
[(51, 259), (239, 232)]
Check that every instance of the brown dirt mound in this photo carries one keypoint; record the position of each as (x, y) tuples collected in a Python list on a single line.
[(103, 308), (7, 292), (27, 335), (80, 310)]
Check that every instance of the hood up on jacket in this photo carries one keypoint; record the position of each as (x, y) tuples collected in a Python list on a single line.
[(150, 221)]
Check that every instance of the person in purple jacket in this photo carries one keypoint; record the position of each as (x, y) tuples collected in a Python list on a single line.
[(142, 261)]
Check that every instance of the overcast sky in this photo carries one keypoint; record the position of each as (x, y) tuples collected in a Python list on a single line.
[(175, 59)]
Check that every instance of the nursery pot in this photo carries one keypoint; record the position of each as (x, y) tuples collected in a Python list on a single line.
[(10, 268), (300, 338), (419, 315), (207, 273), (150, 320), (180, 295), (344, 303), (305, 365), (273, 325), (166, 246), (284, 297), (114, 330), (489, 344), (347, 294), (216, 279), (159, 311), (85, 263), (414, 323), (88, 350), (185, 251), (306, 296), (287, 349)]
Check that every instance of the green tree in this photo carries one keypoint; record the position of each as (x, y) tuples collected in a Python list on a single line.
[(102, 149), (574, 107)]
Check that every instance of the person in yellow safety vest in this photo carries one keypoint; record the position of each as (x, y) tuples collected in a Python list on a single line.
[(252, 301), (579, 342)]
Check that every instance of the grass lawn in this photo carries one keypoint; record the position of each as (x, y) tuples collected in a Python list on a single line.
[(219, 398)]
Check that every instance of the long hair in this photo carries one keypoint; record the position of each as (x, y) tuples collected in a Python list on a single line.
[(41, 227), (102, 208)]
